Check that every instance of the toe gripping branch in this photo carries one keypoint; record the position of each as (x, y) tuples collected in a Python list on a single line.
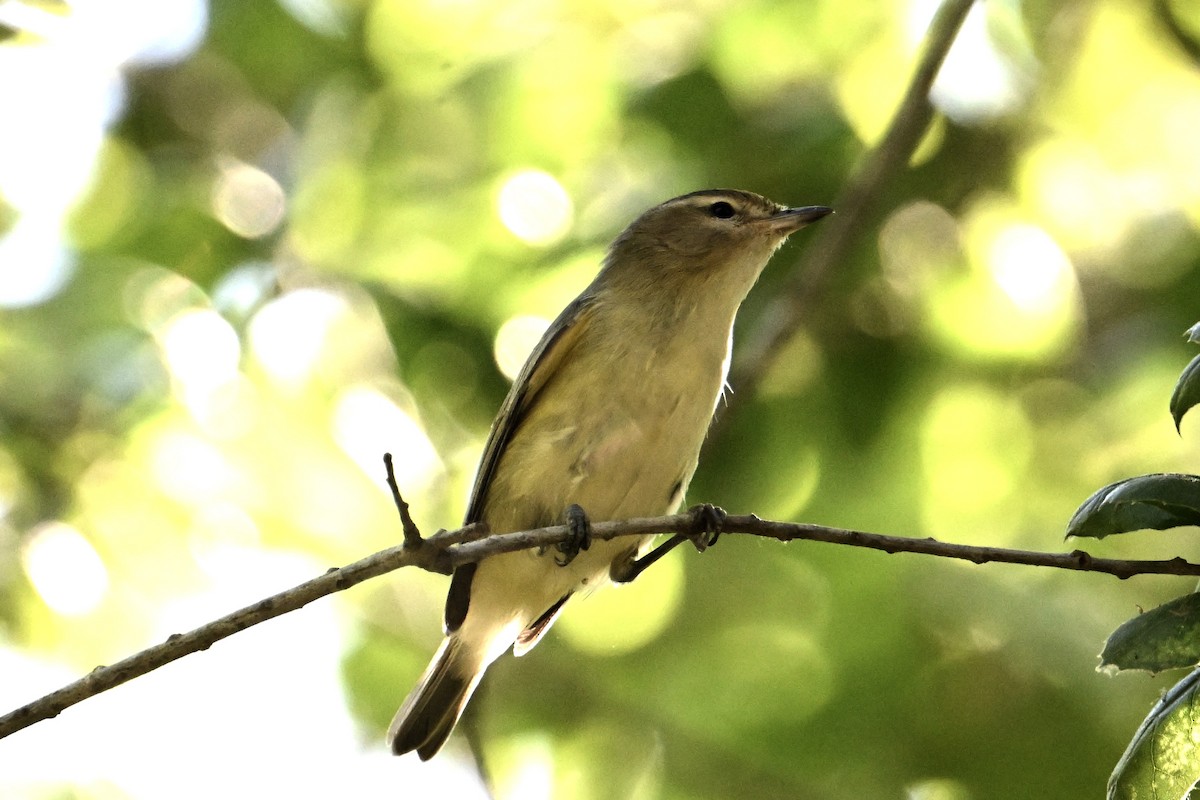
[(579, 537), (707, 522)]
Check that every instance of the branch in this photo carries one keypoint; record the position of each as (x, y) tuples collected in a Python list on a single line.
[(749, 524), (447, 549), (412, 534), (831, 240)]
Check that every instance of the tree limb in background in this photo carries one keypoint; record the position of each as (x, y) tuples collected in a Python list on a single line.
[(830, 243)]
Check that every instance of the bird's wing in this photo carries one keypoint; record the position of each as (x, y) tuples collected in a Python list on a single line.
[(542, 365)]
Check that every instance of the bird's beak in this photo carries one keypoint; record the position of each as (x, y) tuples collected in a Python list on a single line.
[(790, 220)]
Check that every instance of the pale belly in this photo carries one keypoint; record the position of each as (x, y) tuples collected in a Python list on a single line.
[(625, 447)]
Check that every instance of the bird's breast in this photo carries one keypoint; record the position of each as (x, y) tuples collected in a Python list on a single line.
[(618, 431)]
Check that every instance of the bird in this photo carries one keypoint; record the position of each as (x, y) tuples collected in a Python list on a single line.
[(604, 422)]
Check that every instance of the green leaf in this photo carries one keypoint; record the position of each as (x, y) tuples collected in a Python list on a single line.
[(1167, 637), (1187, 391), (1156, 502), (1162, 760)]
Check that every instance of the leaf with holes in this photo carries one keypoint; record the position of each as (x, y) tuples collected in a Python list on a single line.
[(1163, 760)]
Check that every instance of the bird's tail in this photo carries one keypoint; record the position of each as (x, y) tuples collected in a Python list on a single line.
[(431, 710)]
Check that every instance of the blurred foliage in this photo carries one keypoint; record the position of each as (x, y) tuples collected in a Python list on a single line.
[(253, 249)]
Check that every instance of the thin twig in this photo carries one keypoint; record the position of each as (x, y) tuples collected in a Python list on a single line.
[(443, 551), (179, 645), (412, 534), (831, 240)]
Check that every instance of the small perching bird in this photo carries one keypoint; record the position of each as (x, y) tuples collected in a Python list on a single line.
[(606, 417)]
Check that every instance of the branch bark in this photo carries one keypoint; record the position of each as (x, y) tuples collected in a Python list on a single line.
[(447, 549)]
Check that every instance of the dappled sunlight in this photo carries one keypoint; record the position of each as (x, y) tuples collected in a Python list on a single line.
[(786, 41), (991, 285), (365, 421), (1067, 183), (247, 200), (1109, 101), (869, 87), (937, 789), (219, 527), (979, 78), (658, 47), (188, 467), (12, 484), (1017, 297), (152, 297), (624, 618), (115, 203), (919, 244), (241, 258), (1031, 269), (976, 444), (535, 207), (37, 266), (529, 772), (201, 350), (63, 87), (515, 341), (65, 570), (328, 212), (427, 45), (288, 336)]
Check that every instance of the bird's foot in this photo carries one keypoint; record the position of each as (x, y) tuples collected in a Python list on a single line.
[(707, 522), (579, 537)]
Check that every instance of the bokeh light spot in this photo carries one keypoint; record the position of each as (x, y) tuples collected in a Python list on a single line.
[(937, 789), (64, 568), (201, 350), (1016, 297), (515, 341), (978, 80), (660, 46), (1030, 268), (189, 468), (623, 618), (975, 445), (531, 775), (366, 423), (287, 335), (154, 296), (34, 265), (535, 207), (247, 200)]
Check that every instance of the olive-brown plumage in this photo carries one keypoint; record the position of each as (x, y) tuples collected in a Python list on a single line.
[(609, 413)]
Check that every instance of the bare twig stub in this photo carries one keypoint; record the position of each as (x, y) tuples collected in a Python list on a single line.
[(412, 534)]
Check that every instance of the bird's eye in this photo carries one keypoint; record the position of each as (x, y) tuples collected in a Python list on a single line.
[(721, 210)]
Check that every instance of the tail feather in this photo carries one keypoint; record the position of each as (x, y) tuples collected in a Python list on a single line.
[(432, 709)]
